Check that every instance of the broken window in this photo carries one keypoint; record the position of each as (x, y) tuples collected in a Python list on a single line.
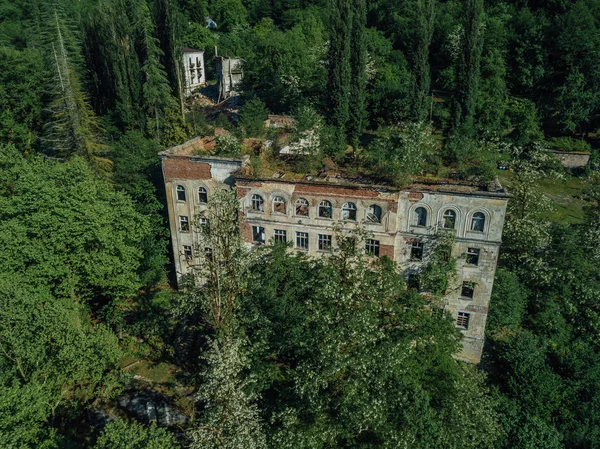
[(258, 204), (187, 252), (349, 211), (449, 219), (302, 207), (324, 242), (416, 251), (325, 209), (202, 221), (374, 214), (279, 205), (258, 235), (473, 256), (302, 240), (421, 214), (462, 320), (280, 236), (184, 223), (208, 252), (372, 247), (478, 222), (467, 289), (180, 193), (202, 195)]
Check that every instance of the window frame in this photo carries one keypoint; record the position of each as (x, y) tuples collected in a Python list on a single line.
[(329, 207), (258, 235), (462, 320), (418, 246), (200, 195), (349, 208), (372, 211), (421, 219), (279, 200), (467, 290), (305, 203), (473, 253), (188, 252), (180, 189), (280, 236), (184, 219), (373, 247), (257, 202), (325, 242), (303, 236), (446, 215), (481, 218)]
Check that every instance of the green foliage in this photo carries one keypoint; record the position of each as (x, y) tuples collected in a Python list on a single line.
[(253, 116), (120, 435), (228, 13)]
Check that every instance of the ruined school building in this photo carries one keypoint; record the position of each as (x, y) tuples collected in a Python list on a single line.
[(401, 223)]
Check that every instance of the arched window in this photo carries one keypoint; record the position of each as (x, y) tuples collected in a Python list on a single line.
[(478, 222), (258, 204), (421, 214), (202, 195), (374, 214), (279, 205), (449, 219), (325, 209), (180, 193), (302, 207), (349, 211)]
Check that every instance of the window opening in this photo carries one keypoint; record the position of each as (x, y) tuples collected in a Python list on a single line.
[(374, 214), (302, 240), (203, 195), (258, 204), (473, 256), (416, 251), (421, 214), (372, 247), (467, 289), (184, 223), (279, 205), (280, 236), (324, 242), (180, 193), (187, 252), (258, 235), (325, 209), (462, 320), (302, 207), (478, 222), (349, 211), (413, 282), (449, 219)]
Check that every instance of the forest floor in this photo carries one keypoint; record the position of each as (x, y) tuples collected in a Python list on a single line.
[(566, 196)]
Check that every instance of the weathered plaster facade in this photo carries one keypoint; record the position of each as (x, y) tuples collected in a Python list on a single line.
[(193, 69), (394, 218)]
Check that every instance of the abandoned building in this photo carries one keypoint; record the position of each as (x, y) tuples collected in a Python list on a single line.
[(229, 76), (402, 223), (193, 68)]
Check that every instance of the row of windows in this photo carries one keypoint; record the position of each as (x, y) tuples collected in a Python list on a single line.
[(324, 210), (449, 219), (182, 196), (324, 242)]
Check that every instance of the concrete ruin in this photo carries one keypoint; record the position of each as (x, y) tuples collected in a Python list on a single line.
[(403, 223), (229, 77), (193, 68)]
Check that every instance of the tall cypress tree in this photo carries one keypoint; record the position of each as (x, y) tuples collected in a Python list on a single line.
[(468, 66), (358, 80), (424, 23), (340, 64)]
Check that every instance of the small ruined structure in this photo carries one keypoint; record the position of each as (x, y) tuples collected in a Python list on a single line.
[(403, 223), (193, 63), (572, 159), (229, 77)]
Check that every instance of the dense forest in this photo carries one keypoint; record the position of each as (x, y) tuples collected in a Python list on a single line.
[(278, 350)]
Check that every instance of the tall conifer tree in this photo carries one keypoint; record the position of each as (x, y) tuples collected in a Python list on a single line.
[(424, 23), (468, 66), (340, 64), (358, 80)]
